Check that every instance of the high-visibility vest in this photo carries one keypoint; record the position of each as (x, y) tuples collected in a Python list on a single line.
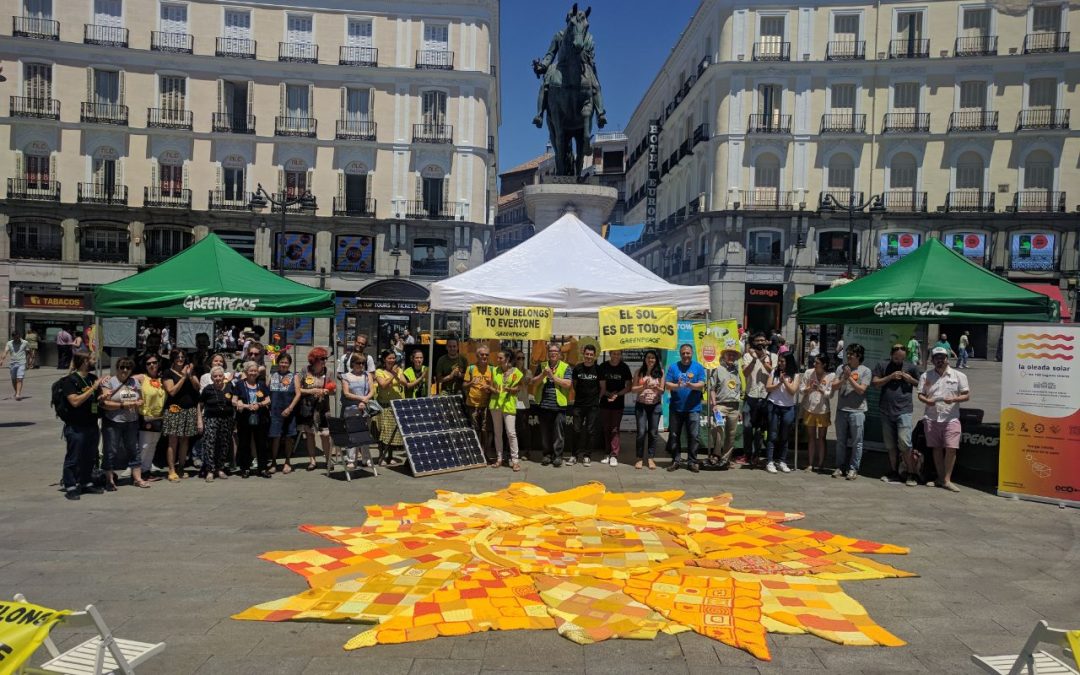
[(560, 395), (504, 400)]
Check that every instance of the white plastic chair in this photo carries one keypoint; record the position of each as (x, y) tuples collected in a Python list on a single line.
[(99, 655), (1029, 661)]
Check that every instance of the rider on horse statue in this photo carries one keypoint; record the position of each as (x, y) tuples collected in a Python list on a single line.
[(575, 73)]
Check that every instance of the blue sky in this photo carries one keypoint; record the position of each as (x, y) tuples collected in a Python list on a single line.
[(633, 37)]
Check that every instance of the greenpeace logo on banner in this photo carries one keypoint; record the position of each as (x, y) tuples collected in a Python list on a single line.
[(913, 308), (211, 303)]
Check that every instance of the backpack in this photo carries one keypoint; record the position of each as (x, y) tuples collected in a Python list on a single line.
[(58, 399)]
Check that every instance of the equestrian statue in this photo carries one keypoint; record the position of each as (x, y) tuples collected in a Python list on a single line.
[(570, 93)]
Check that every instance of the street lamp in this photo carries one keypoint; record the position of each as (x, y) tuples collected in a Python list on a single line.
[(830, 206), (261, 198)]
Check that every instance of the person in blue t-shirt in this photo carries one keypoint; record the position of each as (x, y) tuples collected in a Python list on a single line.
[(685, 381)]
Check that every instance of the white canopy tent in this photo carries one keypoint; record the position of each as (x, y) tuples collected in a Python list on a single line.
[(570, 268)]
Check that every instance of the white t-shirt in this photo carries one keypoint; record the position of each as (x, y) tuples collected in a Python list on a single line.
[(781, 396), (759, 374), (950, 384), (343, 363)]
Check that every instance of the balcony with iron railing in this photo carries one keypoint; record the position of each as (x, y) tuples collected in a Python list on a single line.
[(34, 27), (353, 55), (845, 50), (223, 200), (978, 45), (1039, 201), (842, 196), (904, 201), (432, 133), (434, 59), (167, 198), (33, 189), (298, 52), (969, 201), (168, 118), (909, 48), (293, 203), (235, 48), (422, 209), (38, 108), (1046, 42), (287, 125), (769, 123), (102, 193), (764, 258), (906, 122), (701, 134), (973, 120), (233, 123), (176, 43), (766, 199), (772, 51), (107, 36), (1042, 118), (355, 208), (104, 113), (843, 123), (355, 130)]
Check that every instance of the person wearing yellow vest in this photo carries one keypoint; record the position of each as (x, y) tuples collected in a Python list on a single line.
[(554, 382), (505, 381), (478, 389)]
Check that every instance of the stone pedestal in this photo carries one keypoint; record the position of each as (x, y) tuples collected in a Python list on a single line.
[(547, 202)]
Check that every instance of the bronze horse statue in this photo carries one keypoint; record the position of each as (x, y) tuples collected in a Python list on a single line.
[(570, 93)]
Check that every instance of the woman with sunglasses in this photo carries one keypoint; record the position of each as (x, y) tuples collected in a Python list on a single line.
[(282, 422), (180, 421), (312, 405), (150, 412), (391, 383), (784, 382), (355, 394), (121, 400)]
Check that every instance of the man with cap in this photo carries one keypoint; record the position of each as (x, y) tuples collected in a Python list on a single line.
[(725, 394), (943, 389)]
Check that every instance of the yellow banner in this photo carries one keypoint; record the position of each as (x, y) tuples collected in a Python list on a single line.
[(23, 627), (629, 327), (710, 340), (499, 322)]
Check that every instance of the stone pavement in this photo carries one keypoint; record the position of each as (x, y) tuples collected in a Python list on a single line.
[(173, 562)]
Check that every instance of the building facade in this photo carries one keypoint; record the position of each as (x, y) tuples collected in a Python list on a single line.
[(956, 114), (135, 127)]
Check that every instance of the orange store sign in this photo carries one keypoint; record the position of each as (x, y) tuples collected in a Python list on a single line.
[(42, 301)]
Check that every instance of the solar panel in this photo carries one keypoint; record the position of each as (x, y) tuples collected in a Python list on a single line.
[(438, 437)]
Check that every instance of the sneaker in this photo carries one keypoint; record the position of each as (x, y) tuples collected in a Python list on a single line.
[(673, 467), (586, 462), (911, 482), (545, 461), (571, 461), (951, 487), (931, 483), (851, 475), (693, 466), (783, 467), (73, 495), (612, 461), (770, 467), (838, 473), (557, 462)]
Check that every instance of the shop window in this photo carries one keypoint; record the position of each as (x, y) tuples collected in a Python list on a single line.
[(36, 240), (164, 243), (430, 257), (354, 253), (295, 251), (765, 247), (834, 248), (103, 244)]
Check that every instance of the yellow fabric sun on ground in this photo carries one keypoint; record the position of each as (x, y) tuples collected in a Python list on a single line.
[(590, 563)]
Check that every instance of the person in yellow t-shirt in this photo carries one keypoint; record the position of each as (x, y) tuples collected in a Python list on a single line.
[(478, 389)]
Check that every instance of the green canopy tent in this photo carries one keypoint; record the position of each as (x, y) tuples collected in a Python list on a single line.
[(210, 280), (932, 285)]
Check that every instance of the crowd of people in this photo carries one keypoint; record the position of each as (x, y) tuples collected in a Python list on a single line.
[(221, 416)]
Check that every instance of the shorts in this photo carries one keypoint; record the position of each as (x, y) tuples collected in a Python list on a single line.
[(817, 421), (18, 371), (942, 434)]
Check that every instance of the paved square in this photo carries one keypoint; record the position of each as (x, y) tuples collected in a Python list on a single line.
[(174, 562)]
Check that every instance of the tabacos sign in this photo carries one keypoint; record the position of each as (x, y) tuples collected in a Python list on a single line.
[(913, 308), (212, 303)]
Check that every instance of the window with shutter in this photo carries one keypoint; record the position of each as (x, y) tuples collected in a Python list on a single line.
[(906, 97), (36, 171), (1042, 92), (769, 100), (841, 172), (106, 87), (238, 24), (1039, 171), (37, 82), (359, 33), (842, 99), (299, 29), (357, 105), (973, 95), (969, 171), (903, 172), (767, 174), (173, 94), (433, 107), (772, 34), (108, 13), (976, 22), (173, 19), (437, 37), (1046, 19), (38, 9), (909, 26), (846, 27)]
